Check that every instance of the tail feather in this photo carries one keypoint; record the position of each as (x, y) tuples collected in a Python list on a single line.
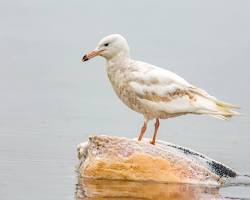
[(222, 117), (216, 108), (226, 110)]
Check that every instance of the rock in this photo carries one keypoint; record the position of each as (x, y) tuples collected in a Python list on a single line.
[(119, 158)]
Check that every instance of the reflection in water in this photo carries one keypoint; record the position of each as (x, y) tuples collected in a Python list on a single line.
[(105, 189)]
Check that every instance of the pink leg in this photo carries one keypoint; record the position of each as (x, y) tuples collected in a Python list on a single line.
[(157, 124), (143, 130)]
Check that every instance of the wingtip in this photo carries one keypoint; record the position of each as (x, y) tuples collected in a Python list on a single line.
[(224, 104)]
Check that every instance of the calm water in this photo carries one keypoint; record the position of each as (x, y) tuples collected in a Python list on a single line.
[(50, 101)]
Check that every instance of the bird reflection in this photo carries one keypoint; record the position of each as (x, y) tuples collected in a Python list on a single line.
[(91, 189)]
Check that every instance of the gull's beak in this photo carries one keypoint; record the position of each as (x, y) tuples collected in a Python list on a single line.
[(90, 55)]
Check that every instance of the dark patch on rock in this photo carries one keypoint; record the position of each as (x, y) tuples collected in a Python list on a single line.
[(221, 170), (187, 151)]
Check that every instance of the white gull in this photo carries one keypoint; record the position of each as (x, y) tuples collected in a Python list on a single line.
[(152, 91)]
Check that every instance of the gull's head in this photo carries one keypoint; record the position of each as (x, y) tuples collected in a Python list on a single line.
[(109, 47)]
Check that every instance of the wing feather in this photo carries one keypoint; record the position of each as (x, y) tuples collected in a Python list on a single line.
[(163, 90)]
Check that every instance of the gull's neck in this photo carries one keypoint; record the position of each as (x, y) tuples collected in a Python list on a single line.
[(118, 58)]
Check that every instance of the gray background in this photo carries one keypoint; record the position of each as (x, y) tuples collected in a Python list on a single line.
[(51, 101)]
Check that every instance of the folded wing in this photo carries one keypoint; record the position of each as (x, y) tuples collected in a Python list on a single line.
[(162, 90)]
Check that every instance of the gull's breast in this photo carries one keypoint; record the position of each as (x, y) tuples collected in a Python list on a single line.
[(120, 79)]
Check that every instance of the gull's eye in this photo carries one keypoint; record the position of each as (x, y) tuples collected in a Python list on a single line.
[(106, 44)]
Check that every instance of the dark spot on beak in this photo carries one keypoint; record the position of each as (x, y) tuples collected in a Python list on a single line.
[(85, 58)]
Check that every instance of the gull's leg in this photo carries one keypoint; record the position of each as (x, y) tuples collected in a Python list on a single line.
[(157, 124), (143, 130)]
